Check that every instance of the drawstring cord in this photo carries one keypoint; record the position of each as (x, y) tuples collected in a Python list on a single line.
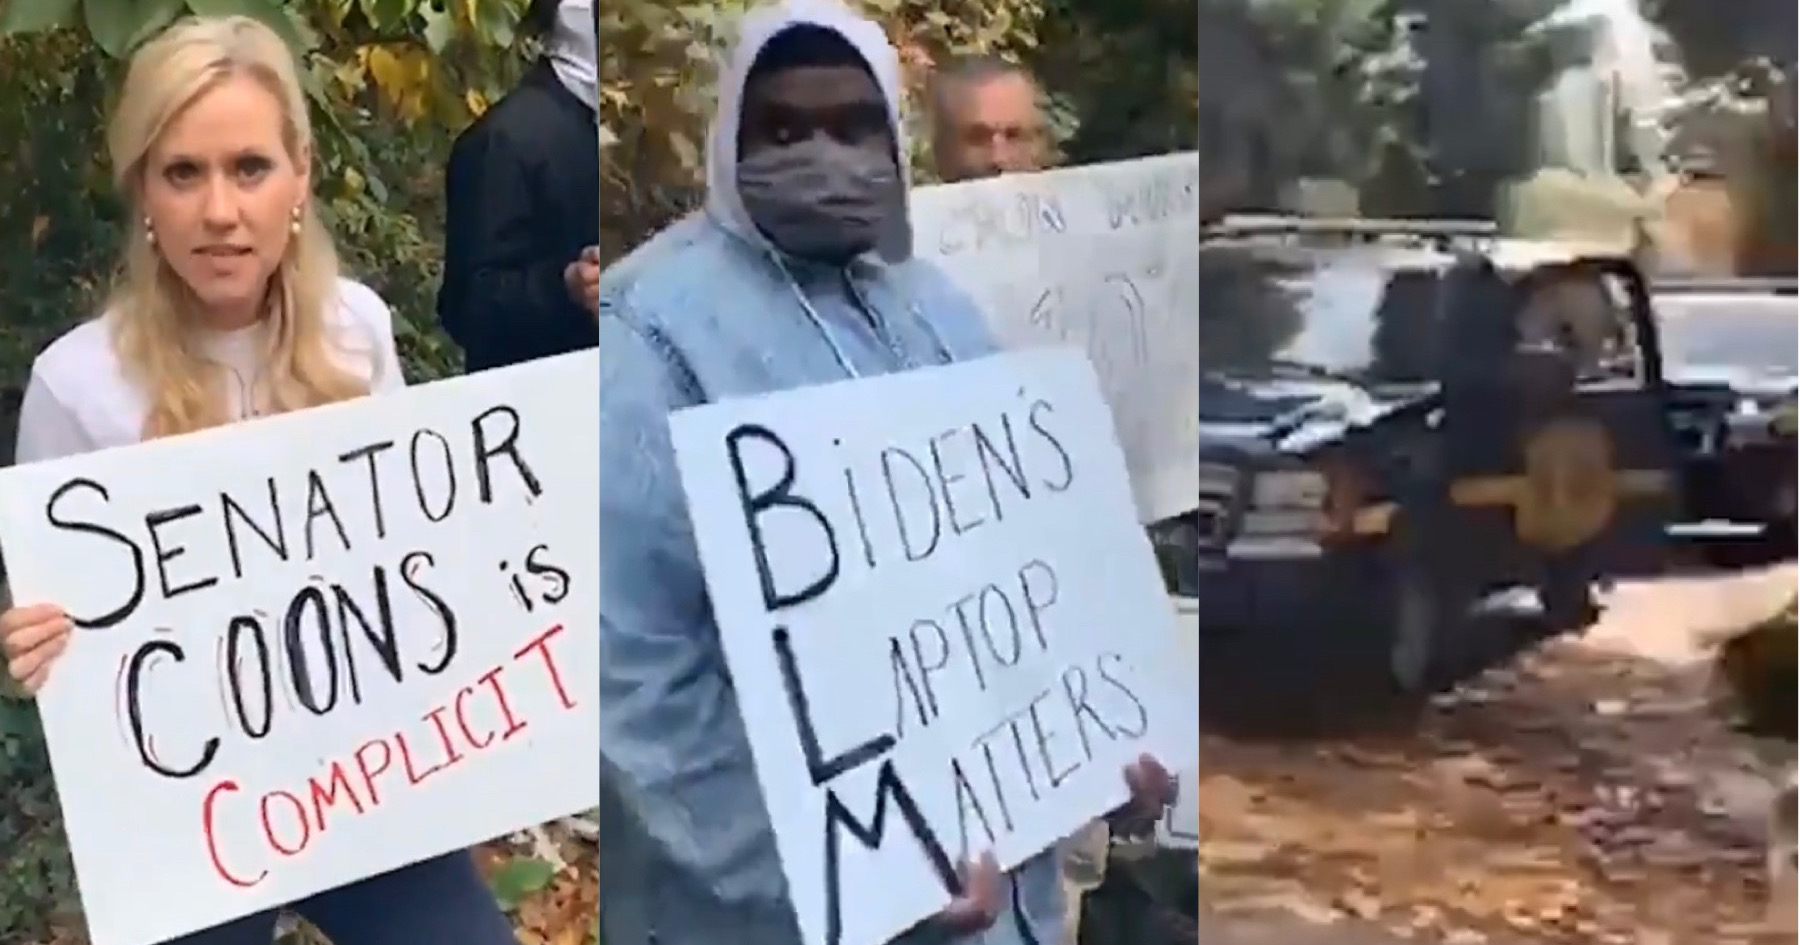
[(1018, 913), (907, 361), (246, 388)]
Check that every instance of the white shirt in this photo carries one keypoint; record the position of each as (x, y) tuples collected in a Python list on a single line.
[(79, 399)]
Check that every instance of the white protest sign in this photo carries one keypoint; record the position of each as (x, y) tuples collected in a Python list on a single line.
[(319, 646), (1104, 257), (1180, 825), (944, 624)]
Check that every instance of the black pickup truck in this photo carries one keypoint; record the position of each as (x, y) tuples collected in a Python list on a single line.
[(1423, 447), (1731, 356)]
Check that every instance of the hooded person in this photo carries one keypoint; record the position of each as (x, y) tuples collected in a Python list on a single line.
[(798, 272), (522, 197)]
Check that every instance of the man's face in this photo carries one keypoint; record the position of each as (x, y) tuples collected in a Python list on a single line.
[(992, 127), (1574, 311), (842, 103)]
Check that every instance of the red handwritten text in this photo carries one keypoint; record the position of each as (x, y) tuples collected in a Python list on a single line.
[(480, 716)]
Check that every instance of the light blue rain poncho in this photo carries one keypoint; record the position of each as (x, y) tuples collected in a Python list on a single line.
[(708, 311)]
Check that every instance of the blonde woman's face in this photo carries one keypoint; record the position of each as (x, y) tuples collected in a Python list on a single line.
[(221, 193)]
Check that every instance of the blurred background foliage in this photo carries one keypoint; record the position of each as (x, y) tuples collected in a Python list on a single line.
[(1268, 91)]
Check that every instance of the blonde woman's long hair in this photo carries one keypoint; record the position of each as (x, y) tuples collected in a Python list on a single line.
[(154, 340)]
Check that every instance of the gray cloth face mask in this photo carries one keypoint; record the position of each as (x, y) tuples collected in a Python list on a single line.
[(820, 200)]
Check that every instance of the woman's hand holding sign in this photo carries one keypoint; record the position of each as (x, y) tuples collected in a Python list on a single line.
[(33, 637)]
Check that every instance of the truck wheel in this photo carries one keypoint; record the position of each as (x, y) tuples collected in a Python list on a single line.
[(1329, 676)]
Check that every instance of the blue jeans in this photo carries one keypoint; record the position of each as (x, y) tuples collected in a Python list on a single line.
[(434, 902)]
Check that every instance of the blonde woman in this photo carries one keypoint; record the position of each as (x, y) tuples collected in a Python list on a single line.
[(228, 306)]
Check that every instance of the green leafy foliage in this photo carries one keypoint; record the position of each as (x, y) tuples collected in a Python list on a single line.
[(1126, 77), (519, 878), (36, 887), (1716, 39), (1354, 78), (36, 15)]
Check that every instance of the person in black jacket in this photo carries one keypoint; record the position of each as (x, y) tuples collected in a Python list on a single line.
[(521, 257)]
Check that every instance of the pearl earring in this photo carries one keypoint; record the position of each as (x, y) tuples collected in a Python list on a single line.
[(149, 232), (295, 226)]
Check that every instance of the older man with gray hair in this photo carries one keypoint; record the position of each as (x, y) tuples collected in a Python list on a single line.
[(986, 119)]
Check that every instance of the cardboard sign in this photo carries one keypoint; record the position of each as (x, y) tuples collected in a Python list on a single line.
[(1180, 827), (944, 624), (319, 646), (1102, 257)]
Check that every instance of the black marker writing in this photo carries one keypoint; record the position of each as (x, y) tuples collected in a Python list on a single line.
[(958, 480), (307, 614), (316, 507), (319, 507), (1037, 747), (55, 514), (944, 487), (993, 624), (316, 654), (246, 628), (818, 767), (135, 669), (821, 770), (757, 503), (1166, 195), (839, 820), (438, 509), (896, 462), (1026, 218), (549, 583), (489, 447), (153, 524), (369, 452)]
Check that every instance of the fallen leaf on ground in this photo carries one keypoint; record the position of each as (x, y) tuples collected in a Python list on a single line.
[(1569, 800)]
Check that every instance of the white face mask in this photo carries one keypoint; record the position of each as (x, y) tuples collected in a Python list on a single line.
[(574, 50)]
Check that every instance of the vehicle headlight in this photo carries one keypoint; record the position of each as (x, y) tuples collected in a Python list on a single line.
[(1286, 503), (1217, 501)]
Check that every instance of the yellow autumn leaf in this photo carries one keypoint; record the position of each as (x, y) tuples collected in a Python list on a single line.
[(404, 76), (685, 151), (570, 935), (353, 76), (386, 68), (412, 105)]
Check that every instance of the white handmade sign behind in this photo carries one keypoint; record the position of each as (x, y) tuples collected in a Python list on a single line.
[(1180, 825), (317, 647), (1104, 257), (944, 625)]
